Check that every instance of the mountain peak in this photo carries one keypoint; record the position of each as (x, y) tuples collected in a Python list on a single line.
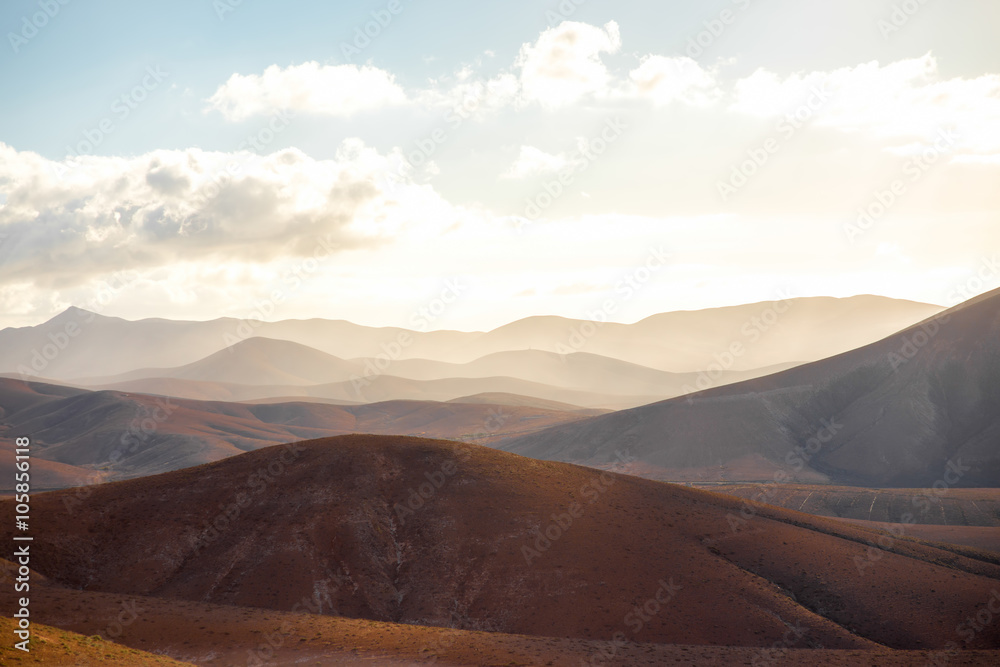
[(73, 313)]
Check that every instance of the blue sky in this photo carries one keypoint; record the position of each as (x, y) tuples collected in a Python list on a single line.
[(159, 97)]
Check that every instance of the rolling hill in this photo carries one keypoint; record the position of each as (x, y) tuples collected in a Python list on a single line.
[(443, 534), (260, 368), (77, 433), (914, 409), (254, 361), (380, 388)]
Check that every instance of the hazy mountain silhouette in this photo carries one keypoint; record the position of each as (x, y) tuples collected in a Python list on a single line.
[(80, 344), (261, 368), (919, 407)]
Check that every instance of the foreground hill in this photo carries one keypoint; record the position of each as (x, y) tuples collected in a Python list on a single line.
[(75, 431), (209, 634), (507, 544), (81, 344), (54, 647), (917, 408)]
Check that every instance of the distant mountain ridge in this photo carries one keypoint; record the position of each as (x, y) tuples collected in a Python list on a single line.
[(916, 409), (80, 344)]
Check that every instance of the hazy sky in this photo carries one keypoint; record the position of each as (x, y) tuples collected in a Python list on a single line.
[(197, 159)]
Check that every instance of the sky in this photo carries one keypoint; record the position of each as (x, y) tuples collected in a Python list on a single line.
[(368, 161)]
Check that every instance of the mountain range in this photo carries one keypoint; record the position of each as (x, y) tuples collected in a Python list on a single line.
[(916, 409)]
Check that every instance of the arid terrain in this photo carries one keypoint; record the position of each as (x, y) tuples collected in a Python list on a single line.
[(708, 529), (83, 436), (505, 544), (916, 409)]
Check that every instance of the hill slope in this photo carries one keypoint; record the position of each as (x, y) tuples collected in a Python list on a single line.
[(254, 361), (919, 407), (124, 434), (503, 543)]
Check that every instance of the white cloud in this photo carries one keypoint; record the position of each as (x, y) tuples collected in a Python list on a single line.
[(534, 162), (664, 80), (564, 63), (985, 160), (900, 101), (334, 90), (68, 222)]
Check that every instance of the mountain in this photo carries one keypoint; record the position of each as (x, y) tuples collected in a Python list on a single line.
[(261, 368), (381, 388), (917, 408), (79, 436), (81, 344), (576, 370), (254, 361), (442, 534)]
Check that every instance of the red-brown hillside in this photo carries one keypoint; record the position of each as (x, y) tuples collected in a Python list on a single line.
[(325, 517)]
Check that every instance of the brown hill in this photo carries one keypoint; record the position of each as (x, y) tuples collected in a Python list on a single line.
[(919, 408), (211, 634), (946, 507), (124, 434), (658, 563)]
